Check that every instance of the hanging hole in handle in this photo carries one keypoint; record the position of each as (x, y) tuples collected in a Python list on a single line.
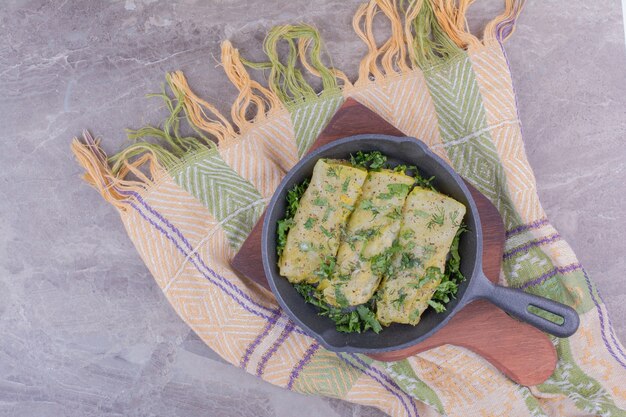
[(544, 314)]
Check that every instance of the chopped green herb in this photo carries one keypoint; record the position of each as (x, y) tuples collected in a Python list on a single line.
[(282, 229), (414, 314), (439, 308), (293, 198), (452, 277), (327, 213), (395, 190), (333, 171), (356, 321), (326, 232), (363, 234), (399, 302), (345, 185), (343, 277), (454, 217), (340, 297), (408, 260), (404, 168), (326, 267), (420, 213), (407, 234), (437, 218), (418, 284), (424, 182), (373, 161), (320, 201), (369, 318), (395, 214), (381, 264), (330, 188), (368, 205), (309, 223)]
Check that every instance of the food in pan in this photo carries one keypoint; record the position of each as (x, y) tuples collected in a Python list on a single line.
[(430, 221), (371, 230), (370, 245), (322, 211)]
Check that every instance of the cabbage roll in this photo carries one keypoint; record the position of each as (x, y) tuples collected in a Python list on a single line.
[(323, 211), (430, 221), (372, 228)]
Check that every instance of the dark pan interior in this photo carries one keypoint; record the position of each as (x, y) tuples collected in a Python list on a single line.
[(399, 151)]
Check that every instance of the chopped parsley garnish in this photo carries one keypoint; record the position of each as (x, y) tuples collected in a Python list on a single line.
[(282, 229), (381, 264), (309, 223), (345, 185), (363, 234), (399, 302), (327, 213), (325, 271), (326, 232), (341, 297), (373, 161), (439, 308), (395, 214), (368, 205), (452, 277), (394, 190), (408, 260), (320, 201), (356, 321), (329, 188), (405, 168)]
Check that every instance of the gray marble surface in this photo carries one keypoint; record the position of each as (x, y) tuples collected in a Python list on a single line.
[(85, 330)]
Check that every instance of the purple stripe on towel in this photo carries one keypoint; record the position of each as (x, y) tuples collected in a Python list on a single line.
[(372, 372), (270, 324), (303, 362), (526, 247), (200, 265), (524, 227), (608, 319), (182, 237), (550, 274), (267, 355), (602, 327)]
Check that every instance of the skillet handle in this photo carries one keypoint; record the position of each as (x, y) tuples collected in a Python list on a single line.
[(516, 302)]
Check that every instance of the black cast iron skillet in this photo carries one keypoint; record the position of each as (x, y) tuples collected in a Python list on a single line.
[(410, 151)]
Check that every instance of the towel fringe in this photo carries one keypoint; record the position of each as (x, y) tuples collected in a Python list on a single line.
[(392, 54), (423, 33), (115, 189), (502, 27), (285, 79), (263, 103), (452, 19), (202, 114), (171, 146)]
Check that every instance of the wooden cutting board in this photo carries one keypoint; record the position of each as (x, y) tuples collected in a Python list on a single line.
[(520, 351)]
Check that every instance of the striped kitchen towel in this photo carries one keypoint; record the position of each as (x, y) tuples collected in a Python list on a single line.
[(189, 202)]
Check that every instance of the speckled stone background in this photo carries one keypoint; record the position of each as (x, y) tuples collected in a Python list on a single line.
[(85, 330)]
